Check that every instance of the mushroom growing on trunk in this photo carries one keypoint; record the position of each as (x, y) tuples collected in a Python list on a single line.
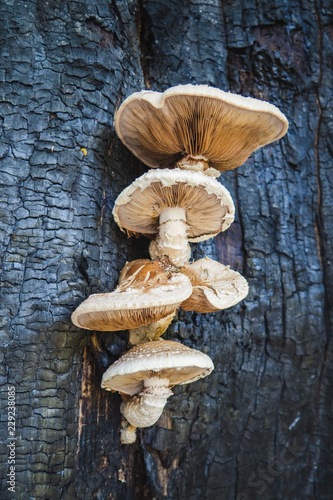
[(215, 286), (144, 376), (196, 127), (150, 292), (151, 331), (177, 206)]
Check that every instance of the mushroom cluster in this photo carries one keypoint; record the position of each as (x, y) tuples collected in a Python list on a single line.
[(145, 301), (189, 134), (144, 376)]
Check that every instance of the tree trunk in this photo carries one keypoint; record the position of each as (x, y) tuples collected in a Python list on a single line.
[(259, 425)]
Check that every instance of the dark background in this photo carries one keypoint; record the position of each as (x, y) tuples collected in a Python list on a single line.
[(259, 427)]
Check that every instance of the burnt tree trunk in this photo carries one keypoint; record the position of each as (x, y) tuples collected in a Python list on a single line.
[(260, 425)]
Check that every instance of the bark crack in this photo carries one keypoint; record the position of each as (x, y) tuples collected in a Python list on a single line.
[(241, 223), (318, 225), (145, 40), (320, 234)]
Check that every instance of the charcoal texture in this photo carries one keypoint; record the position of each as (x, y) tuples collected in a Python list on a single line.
[(260, 426)]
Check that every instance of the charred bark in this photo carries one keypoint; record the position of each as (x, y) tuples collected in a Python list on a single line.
[(259, 426)]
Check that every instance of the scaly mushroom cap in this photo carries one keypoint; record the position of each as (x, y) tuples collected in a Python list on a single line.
[(208, 205), (165, 359), (148, 294), (215, 286), (154, 330), (199, 122), (139, 269)]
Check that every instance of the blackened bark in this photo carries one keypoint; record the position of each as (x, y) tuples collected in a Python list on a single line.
[(260, 425)]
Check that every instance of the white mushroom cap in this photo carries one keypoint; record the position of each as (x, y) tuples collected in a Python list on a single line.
[(197, 121), (208, 205), (215, 286), (149, 293), (165, 359)]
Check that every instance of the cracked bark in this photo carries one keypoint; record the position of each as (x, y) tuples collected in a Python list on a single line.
[(259, 426)]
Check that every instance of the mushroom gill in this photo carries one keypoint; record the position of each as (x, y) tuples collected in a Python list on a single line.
[(197, 127)]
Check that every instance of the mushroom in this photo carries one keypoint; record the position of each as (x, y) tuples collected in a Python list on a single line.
[(197, 127), (145, 374), (215, 286), (148, 294), (176, 205), (151, 331)]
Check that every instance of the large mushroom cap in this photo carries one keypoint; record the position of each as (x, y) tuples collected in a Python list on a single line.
[(165, 359), (147, 295), (197, 121), (208, 205), (215, 286)]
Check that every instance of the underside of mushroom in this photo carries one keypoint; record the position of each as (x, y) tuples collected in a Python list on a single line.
[(149, 293), (215, 286), (144, 376), (174, 207), (196, 127)]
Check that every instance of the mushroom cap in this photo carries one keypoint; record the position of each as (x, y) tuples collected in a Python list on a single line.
[(197, 120), (208, 205), (215, 286), (139, 269), (147, 295), (165, 359)]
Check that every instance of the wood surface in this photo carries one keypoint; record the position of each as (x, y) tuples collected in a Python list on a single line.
[(260, 426)]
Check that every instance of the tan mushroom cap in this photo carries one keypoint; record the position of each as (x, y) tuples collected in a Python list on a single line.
[(165, 359), (215, 286), (197, 121), (139, 268), (151, 292), (208, 205)]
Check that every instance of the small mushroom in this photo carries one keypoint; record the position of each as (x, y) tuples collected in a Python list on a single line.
[(149, 294), (215, 286), (197, 127), (176, 205), (145, 374)]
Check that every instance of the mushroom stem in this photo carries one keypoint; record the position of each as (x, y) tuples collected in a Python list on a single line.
[(172, 238), (146, 408), (149, 332), (194, 163), (197, 164), (127, 433)]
